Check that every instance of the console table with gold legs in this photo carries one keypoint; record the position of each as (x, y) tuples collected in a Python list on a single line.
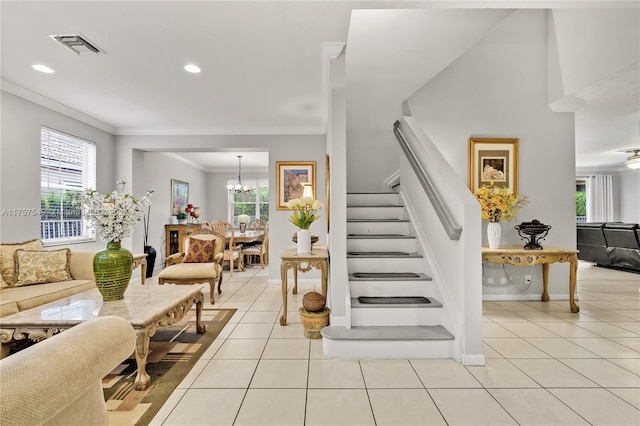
[(518, 256), (303, 263)]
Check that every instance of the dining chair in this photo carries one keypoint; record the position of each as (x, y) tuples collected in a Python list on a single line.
[(256, 224), (197, 265), (259, 250), (233, 253)]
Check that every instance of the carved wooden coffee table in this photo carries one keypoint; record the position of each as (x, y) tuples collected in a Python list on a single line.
[(146, 307)]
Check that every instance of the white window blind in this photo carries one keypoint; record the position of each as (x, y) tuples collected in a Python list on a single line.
[(67, 167)]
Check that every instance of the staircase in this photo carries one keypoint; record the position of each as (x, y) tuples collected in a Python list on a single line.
[(394, 309)]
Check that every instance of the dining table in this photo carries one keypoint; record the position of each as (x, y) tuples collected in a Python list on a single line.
[(248, 236)]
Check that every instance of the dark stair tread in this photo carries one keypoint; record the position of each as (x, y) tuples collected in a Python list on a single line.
[(388, 276), (355, 303), (380, 236), (382, 254), (393, 300), (419, 332)]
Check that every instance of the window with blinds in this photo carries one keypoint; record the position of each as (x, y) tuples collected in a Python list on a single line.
[(67, 167)]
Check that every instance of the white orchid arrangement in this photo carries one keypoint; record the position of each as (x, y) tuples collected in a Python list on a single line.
[(304, 211), (113, 216), (244, 218)]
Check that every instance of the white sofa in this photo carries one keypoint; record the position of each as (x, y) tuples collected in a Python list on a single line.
[(59, 380)]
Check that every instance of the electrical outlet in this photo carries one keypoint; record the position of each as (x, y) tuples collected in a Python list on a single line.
[(527, 279)]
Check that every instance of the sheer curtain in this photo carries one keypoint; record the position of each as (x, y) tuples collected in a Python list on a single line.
[(600, 198)]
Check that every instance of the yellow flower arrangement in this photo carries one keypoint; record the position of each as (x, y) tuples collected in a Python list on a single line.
[(498, 204), (304, 211)]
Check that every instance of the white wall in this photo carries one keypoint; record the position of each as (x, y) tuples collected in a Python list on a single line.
[(156, 173), (20, 163), (498, 89), (280, 148), (589, 45)]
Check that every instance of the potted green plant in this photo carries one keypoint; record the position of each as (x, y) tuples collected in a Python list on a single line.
[(182, 217)]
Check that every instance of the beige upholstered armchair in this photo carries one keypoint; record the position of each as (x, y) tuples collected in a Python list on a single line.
[(200, 263)]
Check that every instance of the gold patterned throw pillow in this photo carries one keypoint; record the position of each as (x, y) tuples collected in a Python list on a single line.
[(199, 251), (38, 267), (7, 262)]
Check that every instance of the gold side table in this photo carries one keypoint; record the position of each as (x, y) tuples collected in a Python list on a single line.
[(518, 256), (302, 262)]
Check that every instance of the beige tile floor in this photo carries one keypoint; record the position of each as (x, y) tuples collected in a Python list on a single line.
[(544, 366)]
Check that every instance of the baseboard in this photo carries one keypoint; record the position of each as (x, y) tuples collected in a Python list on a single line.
[(523, 297), (473, 359), (273, 281)]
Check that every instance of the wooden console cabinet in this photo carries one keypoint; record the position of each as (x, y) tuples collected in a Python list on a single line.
[(175, 235)]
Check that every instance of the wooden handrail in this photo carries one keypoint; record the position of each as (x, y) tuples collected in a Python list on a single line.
[(450, 226)]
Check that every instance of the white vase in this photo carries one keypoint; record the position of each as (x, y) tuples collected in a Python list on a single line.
[(494, 230), (304, 241)]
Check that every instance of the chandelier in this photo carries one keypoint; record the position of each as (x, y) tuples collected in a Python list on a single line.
[(239, 186)]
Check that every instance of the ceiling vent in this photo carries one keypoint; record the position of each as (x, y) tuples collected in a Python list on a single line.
[(78, 44)]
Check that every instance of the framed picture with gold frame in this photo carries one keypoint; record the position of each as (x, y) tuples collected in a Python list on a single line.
[(291, 177), (493, 160)]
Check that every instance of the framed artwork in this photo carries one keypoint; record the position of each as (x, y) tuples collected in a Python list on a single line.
[(291, 176), (493, 160), (179, 196)]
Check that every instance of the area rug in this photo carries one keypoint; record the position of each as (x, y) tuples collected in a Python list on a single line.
[(173, 351)]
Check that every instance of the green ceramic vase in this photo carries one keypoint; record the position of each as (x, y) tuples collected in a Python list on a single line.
[(112, 271)]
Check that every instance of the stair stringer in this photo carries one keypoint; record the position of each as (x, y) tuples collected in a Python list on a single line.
[(451, 319)]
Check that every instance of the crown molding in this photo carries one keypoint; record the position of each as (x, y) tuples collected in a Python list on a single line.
[(220, 132), (43, 101), (181, 159)]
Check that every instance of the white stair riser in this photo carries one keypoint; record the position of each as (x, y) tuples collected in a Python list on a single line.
[(375, 213), (391, 288), (398, 349), (395, 316), (385, 264), (401, 228), (406, 245), (372, 199)]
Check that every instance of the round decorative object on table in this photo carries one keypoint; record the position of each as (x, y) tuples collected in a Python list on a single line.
[(314, 238), (313, 301), (304, 241), (534, 231), (494, 232), (112, 271)]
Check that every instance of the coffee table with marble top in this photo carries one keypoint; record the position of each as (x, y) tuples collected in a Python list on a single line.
[(146, 307)]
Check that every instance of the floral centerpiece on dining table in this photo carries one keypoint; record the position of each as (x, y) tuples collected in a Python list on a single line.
[(113, 216), (305, 211), (497, 204)]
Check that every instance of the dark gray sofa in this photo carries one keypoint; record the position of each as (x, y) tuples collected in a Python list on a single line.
[(611, 244)]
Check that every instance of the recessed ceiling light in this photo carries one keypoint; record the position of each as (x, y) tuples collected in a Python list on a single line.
[(194, 69), (43, 68)]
